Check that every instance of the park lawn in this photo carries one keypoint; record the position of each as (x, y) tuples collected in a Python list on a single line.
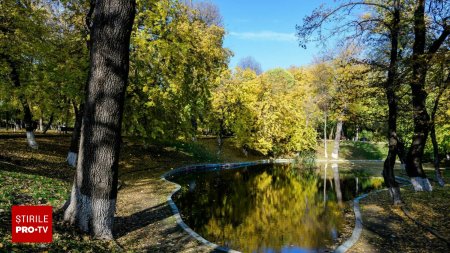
[(388, 229), (354, 150), (144, 220)]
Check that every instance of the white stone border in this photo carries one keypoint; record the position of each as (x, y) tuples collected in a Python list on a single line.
[(358, 219), (204, 167), (357, 230)]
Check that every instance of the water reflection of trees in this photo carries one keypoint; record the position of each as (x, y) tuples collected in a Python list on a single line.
[(273, 209)]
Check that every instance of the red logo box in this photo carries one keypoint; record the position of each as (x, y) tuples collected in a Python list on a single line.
[(32, 224)]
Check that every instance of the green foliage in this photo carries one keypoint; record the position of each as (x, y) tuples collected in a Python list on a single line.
[(193, 149), (176, 59), (45, 44), (266, 112), (357, 150)]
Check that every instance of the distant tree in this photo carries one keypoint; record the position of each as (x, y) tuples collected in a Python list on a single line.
[(250, 63), (175, 61), (266, 113), (93, 199), (23, 50), (208, 12)]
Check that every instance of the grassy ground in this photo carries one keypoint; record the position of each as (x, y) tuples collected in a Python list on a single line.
[(144, 221), (388, 229), (355, 150)]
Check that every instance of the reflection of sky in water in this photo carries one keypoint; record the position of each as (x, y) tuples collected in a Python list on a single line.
[(265, 208)]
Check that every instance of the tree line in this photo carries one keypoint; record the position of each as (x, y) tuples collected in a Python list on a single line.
[(158, 70)]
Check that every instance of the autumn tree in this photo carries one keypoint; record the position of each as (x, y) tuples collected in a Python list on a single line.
[(176, 59), (266, 113), (23, 50), (422, 53), (93, 198)]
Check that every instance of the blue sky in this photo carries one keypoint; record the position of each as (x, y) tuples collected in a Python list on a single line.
[(265, 30)]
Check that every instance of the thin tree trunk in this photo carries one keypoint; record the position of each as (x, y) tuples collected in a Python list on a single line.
[(325, 183), (72, 155), (438, 173), (337, 139), (50, 122), (27, 116), (325, 137), (390, 88), (94, 192), (220, 136), (41, 124), (436, 160), (330, 137)]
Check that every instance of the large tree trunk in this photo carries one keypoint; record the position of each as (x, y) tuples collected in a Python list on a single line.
[(94, 192), (72, 155), (390, 88), (419, 95), (337, 139)]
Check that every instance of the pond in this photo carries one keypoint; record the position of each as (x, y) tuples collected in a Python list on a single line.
[(268, 207)]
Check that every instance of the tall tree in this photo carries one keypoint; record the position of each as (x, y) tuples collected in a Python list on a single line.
[(176, 60), (94, 192), (391, 86), (23, 47), (380, 24), (443, 85), (421, 57)]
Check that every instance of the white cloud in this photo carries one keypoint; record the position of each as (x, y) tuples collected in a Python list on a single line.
[(265, 35)]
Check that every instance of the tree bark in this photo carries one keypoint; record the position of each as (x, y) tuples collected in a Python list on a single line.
[(337, 139), (41, 124), (436, 159), (49, 124), (27, 116), (419, 95), (325, 136), (94, 192), (390, 89), (72, 155)]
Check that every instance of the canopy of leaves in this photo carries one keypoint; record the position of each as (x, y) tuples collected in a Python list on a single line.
[(176, 59)]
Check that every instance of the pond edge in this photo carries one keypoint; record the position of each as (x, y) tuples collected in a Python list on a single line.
[(357, 230), (206, 167)]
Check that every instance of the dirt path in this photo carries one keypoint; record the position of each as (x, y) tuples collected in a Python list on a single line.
[(388, 229)]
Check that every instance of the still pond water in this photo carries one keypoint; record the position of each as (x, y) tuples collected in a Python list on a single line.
[(268, 208)]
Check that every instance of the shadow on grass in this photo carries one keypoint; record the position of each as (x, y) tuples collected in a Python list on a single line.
[(138, 220), (13, 165)]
